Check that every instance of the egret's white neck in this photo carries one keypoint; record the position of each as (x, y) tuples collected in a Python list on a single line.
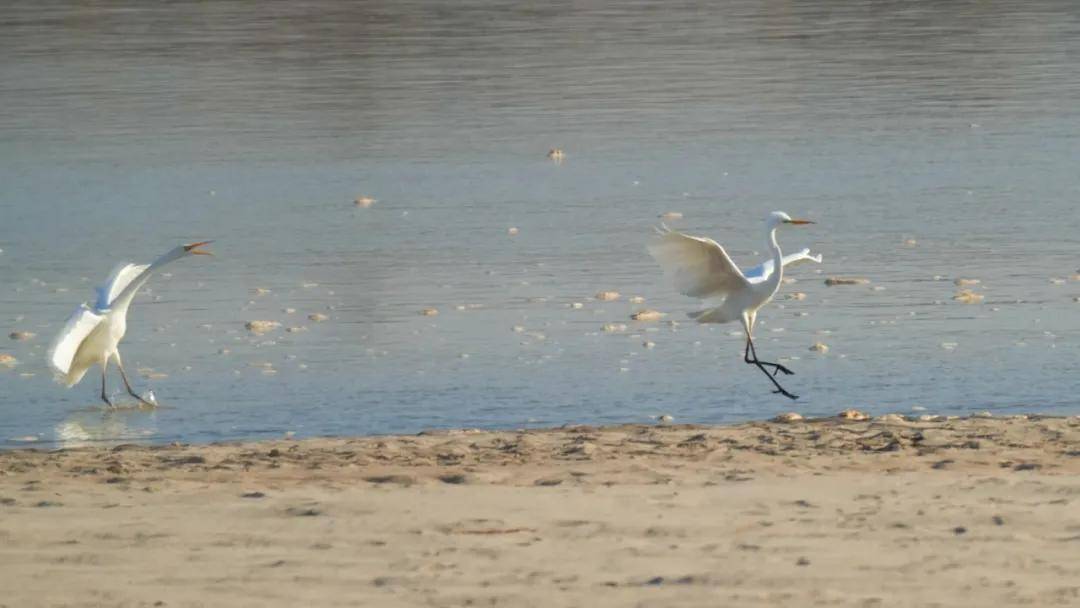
[(778, 259), (121, 303)]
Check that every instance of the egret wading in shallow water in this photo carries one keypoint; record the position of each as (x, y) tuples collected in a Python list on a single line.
[(701, 268), (91, 335)]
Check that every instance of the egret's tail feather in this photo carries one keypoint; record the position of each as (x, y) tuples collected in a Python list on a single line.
[(713, 315)]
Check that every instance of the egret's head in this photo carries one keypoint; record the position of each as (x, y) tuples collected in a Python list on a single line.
[(779, 218), (193, 248)]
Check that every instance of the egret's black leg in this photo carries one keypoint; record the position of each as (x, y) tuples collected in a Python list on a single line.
[(127, 384), (104, 395), (777, 368), (761, 365)]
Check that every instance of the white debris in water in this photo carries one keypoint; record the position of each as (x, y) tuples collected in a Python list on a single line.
[(607, 296), (576, 305), (429, 312), (966, 282), (317, 317), (364, 201), (260, 327), (671, 215), (512, 230), (819, 347), (614, 327)]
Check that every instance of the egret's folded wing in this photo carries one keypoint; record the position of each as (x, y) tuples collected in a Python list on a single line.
[(120, 278), (699, 267), (78, 327)]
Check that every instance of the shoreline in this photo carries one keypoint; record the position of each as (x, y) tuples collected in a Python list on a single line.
[(880, 512)]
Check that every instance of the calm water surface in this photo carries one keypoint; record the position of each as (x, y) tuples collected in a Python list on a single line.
[(128, 127)]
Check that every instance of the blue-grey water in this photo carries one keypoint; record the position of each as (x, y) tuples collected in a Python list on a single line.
[(128, 127)]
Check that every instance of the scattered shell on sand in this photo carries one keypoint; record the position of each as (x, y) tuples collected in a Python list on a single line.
[(966, 282), (1057, 281), (556, 154), (364, 201), (317, 317), (931, 418), (429, 312), (260, 291), (288, 311), (891, 418), (853, 414), (8, 360), (966, 296), (614, 327), (21, 335), (671, 215), (648, 315), (831, 281), (636, 300), (607, 296), (819, 347), (649, 344), (512, 230), (798, 295), (261, 327), (576, 305), (296, 329), (911, 242), (788, 417)]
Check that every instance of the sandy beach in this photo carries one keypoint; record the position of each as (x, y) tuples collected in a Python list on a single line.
[(886, 512)]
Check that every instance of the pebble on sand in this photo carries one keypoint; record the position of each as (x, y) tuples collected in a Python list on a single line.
[(21, 335), (894, 418), (556, 154), (853, 414), (819, 347), (966, 282), (831, 281), (788, 417), (317, 317), (612, 328), (429, 312), (648, 315), (607, 296), (665, 419), (261, 327), (671, 215), (364, 201), (7, 360), (966, 296)]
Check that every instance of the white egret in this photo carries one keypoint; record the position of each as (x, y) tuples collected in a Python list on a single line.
[(701, 268), (91, 335)]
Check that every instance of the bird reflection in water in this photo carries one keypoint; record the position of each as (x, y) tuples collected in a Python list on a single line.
[(99, 426)]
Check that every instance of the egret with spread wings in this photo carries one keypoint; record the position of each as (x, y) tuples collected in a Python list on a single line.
[(701, 268), (92, 333)]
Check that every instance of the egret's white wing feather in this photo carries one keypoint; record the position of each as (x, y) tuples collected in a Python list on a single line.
[(699, 267), (121, 277), (66, 345), (764, 270)]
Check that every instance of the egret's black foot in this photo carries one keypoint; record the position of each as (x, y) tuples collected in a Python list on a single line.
[(786, 394)]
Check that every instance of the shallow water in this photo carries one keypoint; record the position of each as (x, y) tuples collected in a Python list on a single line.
[(126, 128)]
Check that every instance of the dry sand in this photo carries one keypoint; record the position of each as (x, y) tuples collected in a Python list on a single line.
[(968, 512)]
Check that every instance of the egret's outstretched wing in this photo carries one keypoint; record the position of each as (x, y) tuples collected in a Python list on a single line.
[(66, 345), (762, 272), (699, 267), (120, 278)]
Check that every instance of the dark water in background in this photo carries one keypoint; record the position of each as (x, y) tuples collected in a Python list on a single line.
[(127, 127)]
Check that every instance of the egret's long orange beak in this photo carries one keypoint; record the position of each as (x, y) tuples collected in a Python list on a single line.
[(800, 222), (193, 248)]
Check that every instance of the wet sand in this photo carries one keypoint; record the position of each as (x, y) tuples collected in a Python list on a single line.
[(963, 512)]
